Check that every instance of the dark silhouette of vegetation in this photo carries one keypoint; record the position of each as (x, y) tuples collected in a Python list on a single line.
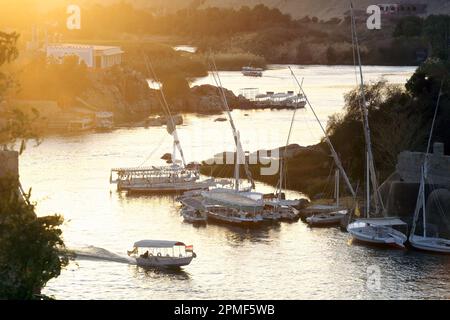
[(32, 250), (400, 119)]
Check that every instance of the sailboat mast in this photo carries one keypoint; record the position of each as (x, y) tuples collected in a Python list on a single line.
[(327, 138), (236, 166), (236, 135), (424, 172), (337, 187), (283, 158), (166, 109), (371, 175)]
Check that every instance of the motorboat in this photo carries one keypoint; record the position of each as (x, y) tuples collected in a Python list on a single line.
[(162, 253)]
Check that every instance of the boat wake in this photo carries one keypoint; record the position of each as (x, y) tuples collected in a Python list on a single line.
[(100, 254)]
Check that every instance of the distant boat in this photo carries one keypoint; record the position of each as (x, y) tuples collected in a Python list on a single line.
[(252, 72), (162, 253)]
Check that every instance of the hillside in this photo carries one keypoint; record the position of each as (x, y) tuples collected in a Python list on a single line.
[(324, 9)]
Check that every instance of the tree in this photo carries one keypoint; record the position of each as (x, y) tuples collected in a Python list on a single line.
[(32, 250), (409, 27), (8, 52)]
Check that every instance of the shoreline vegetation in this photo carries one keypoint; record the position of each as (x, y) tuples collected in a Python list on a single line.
[(255, 36)]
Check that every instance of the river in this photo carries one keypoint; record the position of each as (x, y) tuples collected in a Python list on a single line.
[(69, 175)]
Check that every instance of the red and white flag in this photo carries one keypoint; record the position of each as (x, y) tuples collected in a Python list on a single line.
[(189, 248)]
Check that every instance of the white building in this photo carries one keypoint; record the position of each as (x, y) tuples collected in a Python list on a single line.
[(93, 56)]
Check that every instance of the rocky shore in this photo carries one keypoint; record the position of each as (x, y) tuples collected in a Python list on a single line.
[(307, 169)]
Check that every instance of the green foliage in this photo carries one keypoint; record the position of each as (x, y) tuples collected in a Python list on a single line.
[(8, 52), (409, 27), (32, 250), (49, 79), (437, 31)]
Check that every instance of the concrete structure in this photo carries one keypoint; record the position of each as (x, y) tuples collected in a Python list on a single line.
[(400, 191), (98, 57)]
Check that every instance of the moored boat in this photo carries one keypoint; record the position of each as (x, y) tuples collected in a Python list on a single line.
[(379, 231), (326, 219)]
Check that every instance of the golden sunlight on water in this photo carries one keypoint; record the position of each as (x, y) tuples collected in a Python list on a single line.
[(70, 175)]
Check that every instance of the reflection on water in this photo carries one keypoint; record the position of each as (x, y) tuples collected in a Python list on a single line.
[(70, 175)]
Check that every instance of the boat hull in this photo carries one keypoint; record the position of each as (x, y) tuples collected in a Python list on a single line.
[(325, 220), (168, 188), (384, 237), (163, 262), (430, 244), (245, 222)]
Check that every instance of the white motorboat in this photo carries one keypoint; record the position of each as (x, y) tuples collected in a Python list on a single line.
[(379, 231), (162, 253), (326, 219)]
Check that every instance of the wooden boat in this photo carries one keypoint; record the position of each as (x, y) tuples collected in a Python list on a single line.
[(326, 219), (233, 216)]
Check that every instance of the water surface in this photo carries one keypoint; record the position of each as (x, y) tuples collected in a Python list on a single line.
[(70, 176)]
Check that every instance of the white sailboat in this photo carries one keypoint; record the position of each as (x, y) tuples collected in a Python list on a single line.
[(234, 205), (365, 231), (177, 177), (428, 240), (333, 217), (325, 213)]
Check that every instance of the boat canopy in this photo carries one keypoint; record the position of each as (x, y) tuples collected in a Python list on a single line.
[(157, 244), (383, 221), (233, 199)]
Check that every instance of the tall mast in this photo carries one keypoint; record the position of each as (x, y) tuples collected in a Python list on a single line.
[(283, 159), (171, 126), (424, 172), (236, 136), (371, 175), (327, 139)]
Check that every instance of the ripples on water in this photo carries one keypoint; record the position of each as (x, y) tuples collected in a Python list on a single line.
[(70, 175)]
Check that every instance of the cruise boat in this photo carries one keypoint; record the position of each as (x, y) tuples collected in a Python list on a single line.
[(162, 253), (174, 178), (177, 177), (252, 72)]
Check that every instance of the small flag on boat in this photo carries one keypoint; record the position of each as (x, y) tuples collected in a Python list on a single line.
[(189, 248), (357, 211)]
